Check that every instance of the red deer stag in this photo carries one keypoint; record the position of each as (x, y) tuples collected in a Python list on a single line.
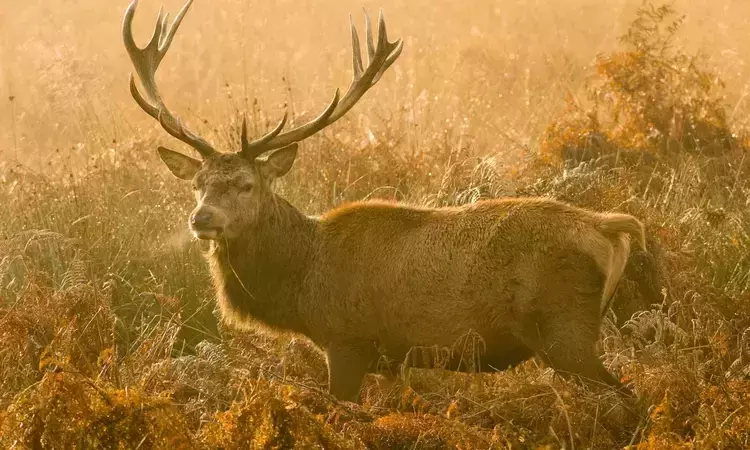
[(372, 279)]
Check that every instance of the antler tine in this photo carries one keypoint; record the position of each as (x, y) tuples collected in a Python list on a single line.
[(164, 27), (146, 61), (250, 149), (368, 33), (357, 67), (267, 143), (380, 56)]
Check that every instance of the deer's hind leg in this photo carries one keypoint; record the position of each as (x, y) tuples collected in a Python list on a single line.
[(561, 323), (570, 350), (504, 352)]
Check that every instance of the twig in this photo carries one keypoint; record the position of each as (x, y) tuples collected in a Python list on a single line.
[(567, 417)]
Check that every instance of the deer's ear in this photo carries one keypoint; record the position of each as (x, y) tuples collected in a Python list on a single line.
[(181, 166), (279, 162)]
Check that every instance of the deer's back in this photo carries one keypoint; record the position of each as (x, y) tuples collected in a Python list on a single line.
[(419, 276)]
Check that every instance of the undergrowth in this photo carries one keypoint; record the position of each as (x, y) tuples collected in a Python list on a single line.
[(111, 338)]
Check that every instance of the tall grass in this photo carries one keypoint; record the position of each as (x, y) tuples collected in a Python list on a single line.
[(107, 320)]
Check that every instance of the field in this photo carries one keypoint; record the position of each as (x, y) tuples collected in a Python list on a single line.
[(108, 322)]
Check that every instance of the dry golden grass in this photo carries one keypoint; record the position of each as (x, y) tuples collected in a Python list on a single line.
[(107, 322)]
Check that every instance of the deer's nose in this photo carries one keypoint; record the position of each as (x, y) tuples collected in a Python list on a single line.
[(201, 219)]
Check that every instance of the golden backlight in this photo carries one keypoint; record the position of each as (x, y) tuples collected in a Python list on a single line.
[(110, 333)]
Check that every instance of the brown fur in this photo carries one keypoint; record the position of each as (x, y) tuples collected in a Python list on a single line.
[(530, 276)]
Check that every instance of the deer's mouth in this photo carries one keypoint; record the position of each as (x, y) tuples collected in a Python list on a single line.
[(207, 222), (207, 234)]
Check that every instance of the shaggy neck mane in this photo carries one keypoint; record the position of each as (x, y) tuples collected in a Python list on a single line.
[(258, 275)]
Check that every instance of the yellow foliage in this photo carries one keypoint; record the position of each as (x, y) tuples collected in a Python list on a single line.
[(648, 98)]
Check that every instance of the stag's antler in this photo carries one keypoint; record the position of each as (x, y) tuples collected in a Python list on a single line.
[(380, 58), (146, 61)]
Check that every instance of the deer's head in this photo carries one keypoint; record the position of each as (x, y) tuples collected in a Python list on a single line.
[(233, 190)]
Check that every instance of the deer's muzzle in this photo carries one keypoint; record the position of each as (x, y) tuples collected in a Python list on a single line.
[(207, 222)]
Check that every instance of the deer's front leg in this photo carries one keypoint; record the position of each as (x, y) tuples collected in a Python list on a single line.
[(347, 365)]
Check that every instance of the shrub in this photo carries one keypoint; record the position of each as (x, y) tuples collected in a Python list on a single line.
[(649, 97)]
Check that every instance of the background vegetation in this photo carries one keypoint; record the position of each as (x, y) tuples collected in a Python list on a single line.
[(107, 322)]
